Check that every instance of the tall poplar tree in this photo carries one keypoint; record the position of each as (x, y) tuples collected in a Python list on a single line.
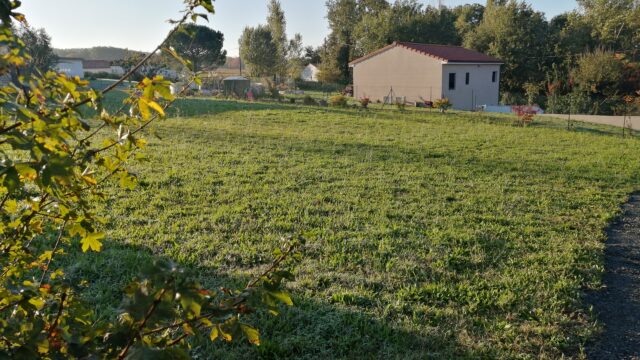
[(278, 26)]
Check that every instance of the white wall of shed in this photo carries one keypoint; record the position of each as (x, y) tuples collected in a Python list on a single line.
[(480, 91)]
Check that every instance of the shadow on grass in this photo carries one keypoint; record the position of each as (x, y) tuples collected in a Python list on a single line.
[(189, 107), (312, 328)]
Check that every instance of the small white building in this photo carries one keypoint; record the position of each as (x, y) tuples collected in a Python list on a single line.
[(425, 72), (72, 67), (310, 73)]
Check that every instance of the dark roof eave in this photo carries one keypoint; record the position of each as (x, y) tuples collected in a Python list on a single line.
[(443, 60), (497, 62)]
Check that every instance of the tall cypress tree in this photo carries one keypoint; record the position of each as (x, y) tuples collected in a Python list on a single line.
[(278, 26)]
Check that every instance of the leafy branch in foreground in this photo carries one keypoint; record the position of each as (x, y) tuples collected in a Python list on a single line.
[(52, 170)]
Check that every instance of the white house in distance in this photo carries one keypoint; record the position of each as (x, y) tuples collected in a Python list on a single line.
[(310, 73), (424, 72), (72, 67), (101, 66)]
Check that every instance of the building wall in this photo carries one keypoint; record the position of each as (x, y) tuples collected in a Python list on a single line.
[(71, 68), (99, 70), (411, 75), (481, 89)]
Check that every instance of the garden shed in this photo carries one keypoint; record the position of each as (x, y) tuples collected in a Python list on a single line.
[(426, 72), (236, 86)]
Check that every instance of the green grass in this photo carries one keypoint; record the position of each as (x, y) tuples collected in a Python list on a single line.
[(428, 235)]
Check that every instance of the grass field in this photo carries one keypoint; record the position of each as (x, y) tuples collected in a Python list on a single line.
[(428, 235)]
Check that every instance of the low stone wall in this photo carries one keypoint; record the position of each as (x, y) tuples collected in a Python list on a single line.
[(600, 119)]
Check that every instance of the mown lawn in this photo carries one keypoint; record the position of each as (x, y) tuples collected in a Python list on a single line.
[(428, 235)]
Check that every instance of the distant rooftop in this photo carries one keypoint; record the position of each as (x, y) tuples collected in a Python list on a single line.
[(446, 53), (96, 64)]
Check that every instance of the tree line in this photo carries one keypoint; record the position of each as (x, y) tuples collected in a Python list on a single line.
[(582, 61), (585, 60), (268, 53)]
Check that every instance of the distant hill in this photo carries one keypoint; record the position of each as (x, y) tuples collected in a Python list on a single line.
[(96, 53)]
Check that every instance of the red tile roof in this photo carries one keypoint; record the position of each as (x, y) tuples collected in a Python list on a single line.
[(446, 53)]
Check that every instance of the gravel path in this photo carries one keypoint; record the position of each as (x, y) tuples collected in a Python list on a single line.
[(618, 305), (600, 119)]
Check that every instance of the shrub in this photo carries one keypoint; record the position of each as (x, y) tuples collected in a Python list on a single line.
[(531, 91), (308, 100), (51, 179), (525, 119), (317, 86), (442, 104), (338, 100), (348, 90), (401, 105), (512, 98), (364, 102), (101, 75)]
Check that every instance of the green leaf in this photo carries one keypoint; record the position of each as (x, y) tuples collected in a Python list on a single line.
[(127, 181), (207, 4), (92, 241), (11, 179), (172, 52), (191, 305)]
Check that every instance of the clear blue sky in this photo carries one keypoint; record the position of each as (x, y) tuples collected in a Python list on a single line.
[(140, 24)]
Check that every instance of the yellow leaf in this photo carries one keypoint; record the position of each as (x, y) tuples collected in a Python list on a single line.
[(43, 346), (141, 143), (144, 108), (226, 336), (38, 303), (282, 296), (92, 241), (89, 180), (155, 106), (77, 229), (47, 255), (26, 171), (214, 333), (11, 206), (252, 334), (188, 329)]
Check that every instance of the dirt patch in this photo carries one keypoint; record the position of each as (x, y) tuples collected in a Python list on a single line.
[(618, 305)]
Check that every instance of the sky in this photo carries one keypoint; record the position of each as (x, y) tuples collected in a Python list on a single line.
[(141, 24)]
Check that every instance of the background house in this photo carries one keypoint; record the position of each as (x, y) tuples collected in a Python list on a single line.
[(96, 66), (310, 73), (70, 66), (422, 72)]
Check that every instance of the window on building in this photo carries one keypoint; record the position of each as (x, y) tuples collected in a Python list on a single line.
[(452, 81), (494, 76), (466, 79)]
